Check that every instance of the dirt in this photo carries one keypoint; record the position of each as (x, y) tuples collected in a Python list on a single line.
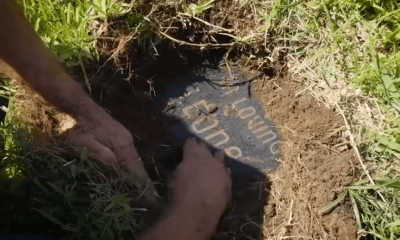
[(314, 169)]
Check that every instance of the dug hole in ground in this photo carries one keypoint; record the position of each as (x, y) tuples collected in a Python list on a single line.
[(289, 201), (314, 167)]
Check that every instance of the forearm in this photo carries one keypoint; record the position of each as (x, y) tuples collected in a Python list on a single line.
[(183, 222), (24, 52)]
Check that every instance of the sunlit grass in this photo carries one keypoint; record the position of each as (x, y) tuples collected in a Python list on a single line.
[(68, 27)]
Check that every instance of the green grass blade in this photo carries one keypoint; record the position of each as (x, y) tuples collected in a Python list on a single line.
[(333, 204)]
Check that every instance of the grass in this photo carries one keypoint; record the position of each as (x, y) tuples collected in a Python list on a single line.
[(347, 50)]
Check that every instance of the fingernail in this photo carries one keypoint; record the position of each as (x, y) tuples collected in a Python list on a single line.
[(229, 170)]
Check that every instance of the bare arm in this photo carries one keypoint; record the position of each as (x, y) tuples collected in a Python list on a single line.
[(24, 55), (22, 49)]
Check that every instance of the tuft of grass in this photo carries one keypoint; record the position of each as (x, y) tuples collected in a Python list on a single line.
[(64, 194), (82, 201), (380, 219)]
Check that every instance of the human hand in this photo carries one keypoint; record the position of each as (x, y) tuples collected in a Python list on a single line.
[(107, 141), (202, 183), (25, 57), (201, 190)]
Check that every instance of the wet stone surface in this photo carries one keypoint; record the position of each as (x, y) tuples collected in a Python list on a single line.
[(220, 111)]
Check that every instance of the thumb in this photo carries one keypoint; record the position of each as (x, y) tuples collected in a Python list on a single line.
[(188, 149), (193, 151)]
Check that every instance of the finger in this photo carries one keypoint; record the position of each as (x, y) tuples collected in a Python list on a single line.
[(220, 155), (189, 148), (192, 151), (129, 158), (95, 149), (190, 144), (203, 145)]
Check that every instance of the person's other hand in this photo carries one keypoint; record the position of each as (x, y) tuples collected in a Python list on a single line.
[(107, 141), (202, 182)]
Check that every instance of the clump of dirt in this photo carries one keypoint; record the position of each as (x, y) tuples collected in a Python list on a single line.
[(315, 167), (32, 109)]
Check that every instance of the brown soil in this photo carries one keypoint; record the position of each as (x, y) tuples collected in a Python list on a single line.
[(314, 170)]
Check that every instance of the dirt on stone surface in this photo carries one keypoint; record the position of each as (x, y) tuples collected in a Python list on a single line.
[(315, 166)]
